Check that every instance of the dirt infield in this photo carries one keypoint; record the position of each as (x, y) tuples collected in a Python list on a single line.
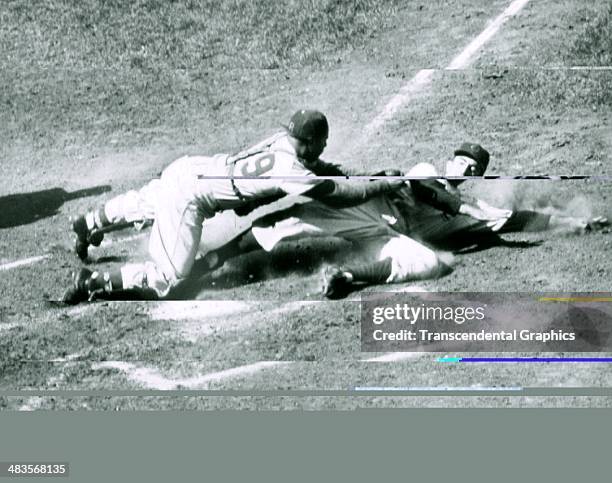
[(97, 101)]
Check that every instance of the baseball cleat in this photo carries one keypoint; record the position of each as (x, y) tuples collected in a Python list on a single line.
[(336, 283), (81, 288), (85, 237), (598, 223)]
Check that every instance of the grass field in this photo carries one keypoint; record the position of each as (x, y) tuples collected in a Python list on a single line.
[(103, 95)]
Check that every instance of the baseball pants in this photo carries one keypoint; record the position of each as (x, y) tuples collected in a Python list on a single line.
[(368, 225), (176, 230)]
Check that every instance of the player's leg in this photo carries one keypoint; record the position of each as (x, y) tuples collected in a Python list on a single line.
[(266, 232), (447, 231), (136, 207), (339, 281), (173, 246), (232, 236), (400, 259), (532, 221), (358, 224), (313, 219)]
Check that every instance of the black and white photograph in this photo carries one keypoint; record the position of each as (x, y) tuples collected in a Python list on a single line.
[(199, 196)]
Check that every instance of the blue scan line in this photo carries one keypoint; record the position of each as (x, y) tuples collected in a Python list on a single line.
[(536, 359), (450, 359)]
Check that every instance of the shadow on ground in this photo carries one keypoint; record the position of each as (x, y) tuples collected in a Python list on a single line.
[(464, 246), (25, 208)]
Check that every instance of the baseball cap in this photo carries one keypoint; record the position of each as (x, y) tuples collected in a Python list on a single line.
[(474, 151), (306, 125)]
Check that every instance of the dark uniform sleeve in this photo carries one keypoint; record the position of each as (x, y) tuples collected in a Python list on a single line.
[(346, 194), (249, 206), (433, 193), (323, 168)]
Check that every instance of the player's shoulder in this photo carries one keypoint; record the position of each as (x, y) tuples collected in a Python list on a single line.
[(289, 163), (284, 152)]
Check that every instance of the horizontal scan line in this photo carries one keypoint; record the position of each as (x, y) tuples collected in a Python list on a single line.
[(356, 392), (575, 299), (527, 359), (550, 177), (26, 70)]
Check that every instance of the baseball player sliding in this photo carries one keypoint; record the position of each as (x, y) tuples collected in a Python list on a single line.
[(194, 188), (397, 229)]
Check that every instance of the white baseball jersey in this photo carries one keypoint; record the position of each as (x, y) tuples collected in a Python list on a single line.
[(267, 169), (194, 188)]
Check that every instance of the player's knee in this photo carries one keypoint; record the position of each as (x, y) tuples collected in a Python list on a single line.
[(146, 277), (446, 262), (420, 266), (411, 260), (425, 263)]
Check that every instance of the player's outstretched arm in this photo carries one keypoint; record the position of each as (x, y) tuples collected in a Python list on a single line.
[(323, 168), (345, 194), (434, 194)]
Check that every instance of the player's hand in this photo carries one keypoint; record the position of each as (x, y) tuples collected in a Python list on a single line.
[(497, 217), (473, 211), (491, 210), (250, 206), (245, 209), (496, 225), (494, 217)]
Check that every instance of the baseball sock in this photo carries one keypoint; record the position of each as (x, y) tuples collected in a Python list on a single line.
[(96, 219), (375, 272), (106, 281)]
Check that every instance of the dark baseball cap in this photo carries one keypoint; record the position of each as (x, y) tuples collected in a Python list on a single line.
[(475, 152), (306, 125)]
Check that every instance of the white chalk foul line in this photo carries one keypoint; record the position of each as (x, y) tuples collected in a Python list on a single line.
[(24, 262), (39, 258), (396, 357), (153, 379), (424, 76), (468, 54), (405, 95)]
